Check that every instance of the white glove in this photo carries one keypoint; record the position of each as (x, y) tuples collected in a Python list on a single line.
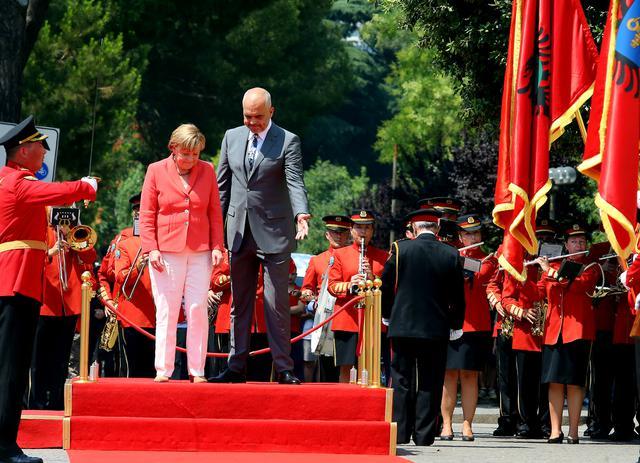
[(455, 334), (385, 321), (623, 279), (91, 181)]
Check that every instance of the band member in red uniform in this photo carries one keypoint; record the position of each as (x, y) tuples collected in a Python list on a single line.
[(523, 302), (135, 302), (348, 270), (221, 286), (61, 304), (23, 231), (467, 355), (450, 209), (338, 235), (568, 333), (600, 367)]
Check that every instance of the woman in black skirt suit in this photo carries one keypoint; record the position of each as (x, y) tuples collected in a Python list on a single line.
[(467, 356), (569, 331)]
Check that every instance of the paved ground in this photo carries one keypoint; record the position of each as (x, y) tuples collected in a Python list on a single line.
[(487, 448)]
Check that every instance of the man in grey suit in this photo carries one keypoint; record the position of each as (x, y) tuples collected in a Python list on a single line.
[(263, 198)]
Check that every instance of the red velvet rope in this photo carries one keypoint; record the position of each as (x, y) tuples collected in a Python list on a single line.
[(118, 314)]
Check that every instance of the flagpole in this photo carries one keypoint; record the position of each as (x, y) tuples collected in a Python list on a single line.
[(583, 129)]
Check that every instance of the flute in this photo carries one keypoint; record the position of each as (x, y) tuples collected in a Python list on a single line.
[(531, 262), (471, 246)]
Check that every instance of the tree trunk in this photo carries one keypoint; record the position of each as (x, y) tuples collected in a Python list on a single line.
[(20, 22), (12, 40)]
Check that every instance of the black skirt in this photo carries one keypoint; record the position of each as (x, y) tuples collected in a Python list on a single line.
[(470, 351), (566, 363), (344, 347)]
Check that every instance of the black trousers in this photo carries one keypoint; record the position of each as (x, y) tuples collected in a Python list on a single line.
[(601, 381), (533, 402), (624, 394), (137, 353), (18, 322), (507, 383), (217, 343), (416, 410), (50, 362)]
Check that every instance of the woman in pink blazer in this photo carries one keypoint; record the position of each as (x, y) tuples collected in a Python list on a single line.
[(181, 230)]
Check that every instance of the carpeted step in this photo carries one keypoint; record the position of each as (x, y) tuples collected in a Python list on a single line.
[(181, 399), (95, 456), (231, 435), (40, 429)]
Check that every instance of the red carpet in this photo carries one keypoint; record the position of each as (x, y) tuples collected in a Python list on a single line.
[(138, 414), (93, 456), (40, 429)]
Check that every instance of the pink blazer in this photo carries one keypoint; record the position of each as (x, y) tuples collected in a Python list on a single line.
[(173, 218)]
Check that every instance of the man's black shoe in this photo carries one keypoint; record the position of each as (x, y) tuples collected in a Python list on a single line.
[(228, 376), (287, 377), (503, 432), (530, 434), (622, 436), (20, 458), (600, 434)]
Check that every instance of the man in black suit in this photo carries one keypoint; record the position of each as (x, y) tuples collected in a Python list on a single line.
[(423, 299)]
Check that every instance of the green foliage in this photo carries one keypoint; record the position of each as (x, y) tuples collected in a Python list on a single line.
[(76, 54), (331, 190), (427, 108)]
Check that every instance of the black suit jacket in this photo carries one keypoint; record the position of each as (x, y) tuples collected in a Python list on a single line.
[(430, 295)]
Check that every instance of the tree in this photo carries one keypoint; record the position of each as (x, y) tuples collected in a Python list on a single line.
[(331, 190), (74, 63), (20, 22)]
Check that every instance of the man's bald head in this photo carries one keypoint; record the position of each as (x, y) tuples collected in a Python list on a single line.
[(257, 109)]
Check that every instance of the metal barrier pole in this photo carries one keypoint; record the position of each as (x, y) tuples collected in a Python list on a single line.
[(366, 336), (376, 321), (85, 317), (360, 360)]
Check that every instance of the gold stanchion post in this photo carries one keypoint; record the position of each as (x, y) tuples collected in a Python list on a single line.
[(361, 359), (376, 321), (85, 317), (367, 340)]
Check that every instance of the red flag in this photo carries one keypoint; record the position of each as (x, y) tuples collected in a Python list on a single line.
[(550, 73), (613, 136)]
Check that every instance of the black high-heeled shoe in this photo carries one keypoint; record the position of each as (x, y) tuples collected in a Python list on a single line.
[(571, 440), (446, 437), (556, 440)]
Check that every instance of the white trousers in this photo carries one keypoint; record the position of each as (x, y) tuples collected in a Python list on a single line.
[(186, 274)]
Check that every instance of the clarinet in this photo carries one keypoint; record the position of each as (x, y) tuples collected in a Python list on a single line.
[(355, 289)]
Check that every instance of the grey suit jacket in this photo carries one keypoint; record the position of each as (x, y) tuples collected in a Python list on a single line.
[(270, 198)]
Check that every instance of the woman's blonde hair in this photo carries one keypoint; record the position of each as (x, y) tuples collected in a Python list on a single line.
[(187, 136)]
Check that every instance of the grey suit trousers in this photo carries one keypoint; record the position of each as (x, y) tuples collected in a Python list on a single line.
[(245, 265)]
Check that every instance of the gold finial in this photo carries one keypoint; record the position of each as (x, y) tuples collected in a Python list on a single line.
[(362, 285), (369, 284), (86, 276), (377, 282)]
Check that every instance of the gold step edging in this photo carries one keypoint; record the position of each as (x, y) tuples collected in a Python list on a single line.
[(66, 433), (68, 395), (41, 417), (388, 405), (393, 438)]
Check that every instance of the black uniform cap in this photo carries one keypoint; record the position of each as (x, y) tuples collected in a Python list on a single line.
[(24, 132)]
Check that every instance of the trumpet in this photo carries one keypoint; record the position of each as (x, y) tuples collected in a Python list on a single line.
[(81, 238), (355, 288), (143, 263), (62, 260), (537, 328)]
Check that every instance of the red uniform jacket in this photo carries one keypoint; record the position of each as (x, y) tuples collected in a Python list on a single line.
[(221, 282), (494, 292), (172, 218), (345, 265), (58, 303), (23, 217), (569, 312), (516, 298), (140, 309), (316, 268), (624, 318), (477, 315), (106, 273)]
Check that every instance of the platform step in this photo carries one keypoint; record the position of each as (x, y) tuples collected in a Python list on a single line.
[(40, 429), (180, 399), (231, 435)]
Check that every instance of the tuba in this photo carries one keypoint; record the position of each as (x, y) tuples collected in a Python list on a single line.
[(537, 328)]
